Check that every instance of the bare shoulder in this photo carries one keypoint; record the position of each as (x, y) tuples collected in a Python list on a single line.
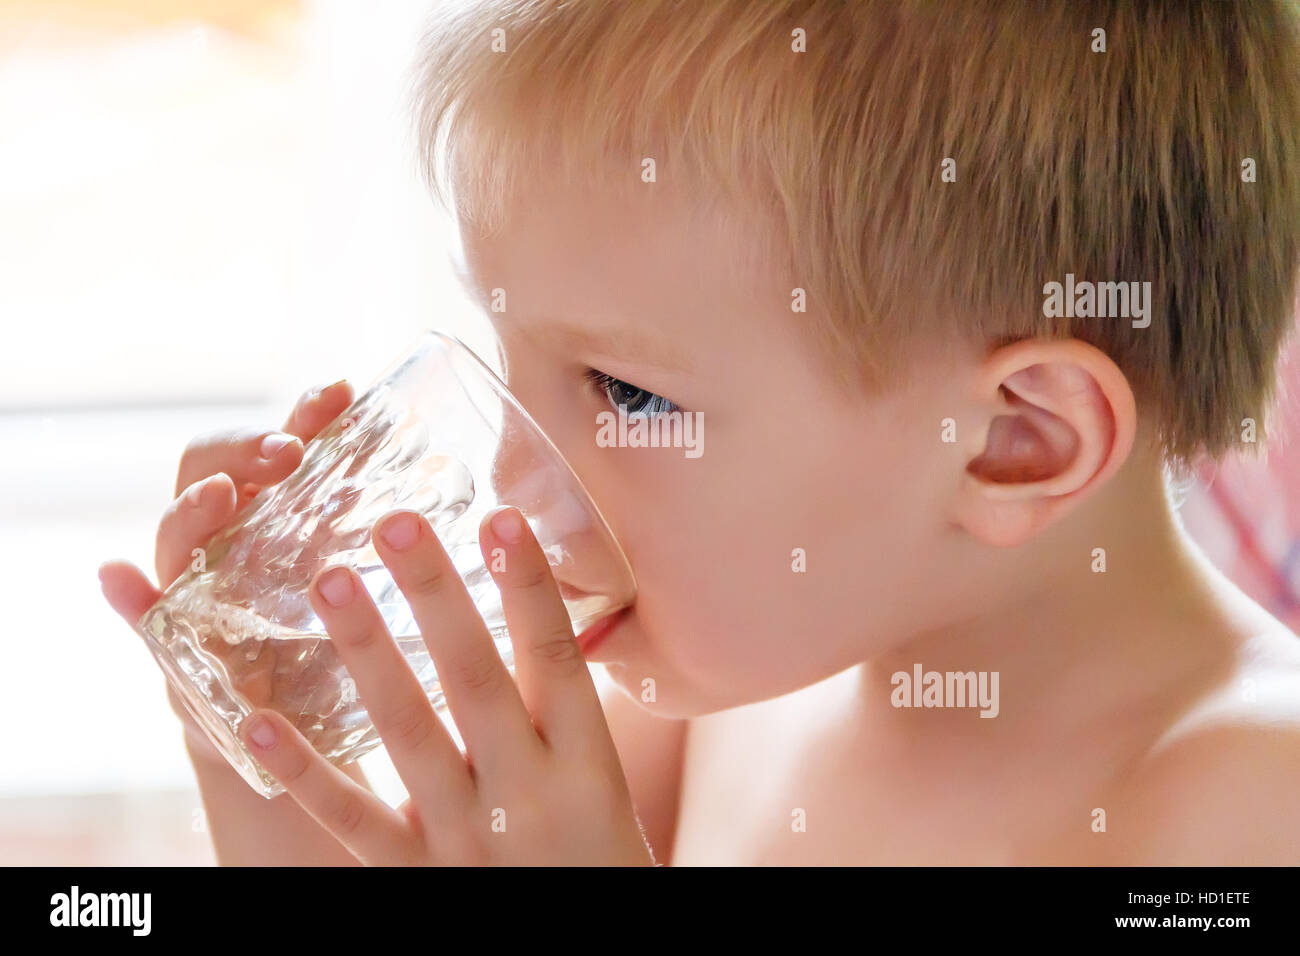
[(1223, 785)]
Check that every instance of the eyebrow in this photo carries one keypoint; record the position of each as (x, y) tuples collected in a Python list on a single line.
[(621, 344)]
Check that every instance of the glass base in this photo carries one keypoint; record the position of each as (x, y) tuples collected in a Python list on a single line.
[(223, 735)]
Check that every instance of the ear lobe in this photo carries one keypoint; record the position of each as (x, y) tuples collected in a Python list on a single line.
[(1059, 419)]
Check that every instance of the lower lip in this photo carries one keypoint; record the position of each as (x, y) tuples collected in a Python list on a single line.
[(593, 635)]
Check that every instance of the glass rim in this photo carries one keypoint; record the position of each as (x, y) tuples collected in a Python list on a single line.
[(502, 391)]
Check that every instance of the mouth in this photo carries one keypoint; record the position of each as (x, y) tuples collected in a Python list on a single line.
[(597, 632)]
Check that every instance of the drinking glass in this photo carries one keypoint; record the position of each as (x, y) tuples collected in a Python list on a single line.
[(437, 433)]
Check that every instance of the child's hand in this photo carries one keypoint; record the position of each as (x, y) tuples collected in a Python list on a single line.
[(541, 781), (218, 474)]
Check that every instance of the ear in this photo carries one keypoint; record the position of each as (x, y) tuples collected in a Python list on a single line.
[(1056, 420)]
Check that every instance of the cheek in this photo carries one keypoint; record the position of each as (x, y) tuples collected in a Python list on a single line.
[(694, 603), (770, 570), (722, 612), (790, 582), (870, 579)]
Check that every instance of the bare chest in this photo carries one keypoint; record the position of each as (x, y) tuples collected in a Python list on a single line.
[(794, 782)]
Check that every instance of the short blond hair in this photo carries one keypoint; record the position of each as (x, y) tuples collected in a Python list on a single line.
[(1122, 165)]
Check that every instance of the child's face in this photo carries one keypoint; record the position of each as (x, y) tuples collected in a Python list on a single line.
[(645, 293)]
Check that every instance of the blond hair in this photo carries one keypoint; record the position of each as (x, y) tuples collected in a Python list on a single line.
[(1124, 165)]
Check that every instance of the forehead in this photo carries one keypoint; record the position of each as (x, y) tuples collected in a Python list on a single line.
[(696, 277), (642, 242)]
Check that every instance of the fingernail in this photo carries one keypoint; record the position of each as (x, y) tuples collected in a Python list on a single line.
[(273, 443), (320, 390), (336, 586), (262, 733), (194, 494), (400, 531), (508, 525)]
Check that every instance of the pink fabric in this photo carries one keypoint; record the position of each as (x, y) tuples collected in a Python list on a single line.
[(1245, 512)]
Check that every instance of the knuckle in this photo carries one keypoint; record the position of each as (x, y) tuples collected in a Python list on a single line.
[(346, 814), (525, 817), (409, 723), (358, 638), (427, 580), (559, 649), (222, 442), (479, 671), (238, 448), (533, 574), (210, 453), (294, 771)]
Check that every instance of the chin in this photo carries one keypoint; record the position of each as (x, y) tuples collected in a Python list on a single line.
[(667, 704), (627, 653)]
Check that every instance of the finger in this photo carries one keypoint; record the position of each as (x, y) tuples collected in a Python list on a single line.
[(200, 745), (247, 456), (205, 508), (370, 829), (550, 669), (127, 590), (130, 594), (417, 742), (316, 408), (257, 458), (484, 702)]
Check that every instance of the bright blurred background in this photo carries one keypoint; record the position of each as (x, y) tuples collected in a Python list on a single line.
[(206, 207)]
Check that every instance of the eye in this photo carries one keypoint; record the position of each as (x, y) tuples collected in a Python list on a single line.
[(638, 400)]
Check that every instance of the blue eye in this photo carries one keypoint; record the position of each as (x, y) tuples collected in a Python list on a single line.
[(638, 400)]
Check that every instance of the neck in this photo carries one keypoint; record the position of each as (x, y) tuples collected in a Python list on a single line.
[(1121, 651)]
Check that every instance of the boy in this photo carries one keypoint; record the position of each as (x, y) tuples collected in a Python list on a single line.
[(923, 598)]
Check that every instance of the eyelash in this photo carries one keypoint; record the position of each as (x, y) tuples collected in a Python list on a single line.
[(652, 406)]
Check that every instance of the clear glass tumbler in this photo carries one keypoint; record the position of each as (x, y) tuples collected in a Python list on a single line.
[(437, 433)]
